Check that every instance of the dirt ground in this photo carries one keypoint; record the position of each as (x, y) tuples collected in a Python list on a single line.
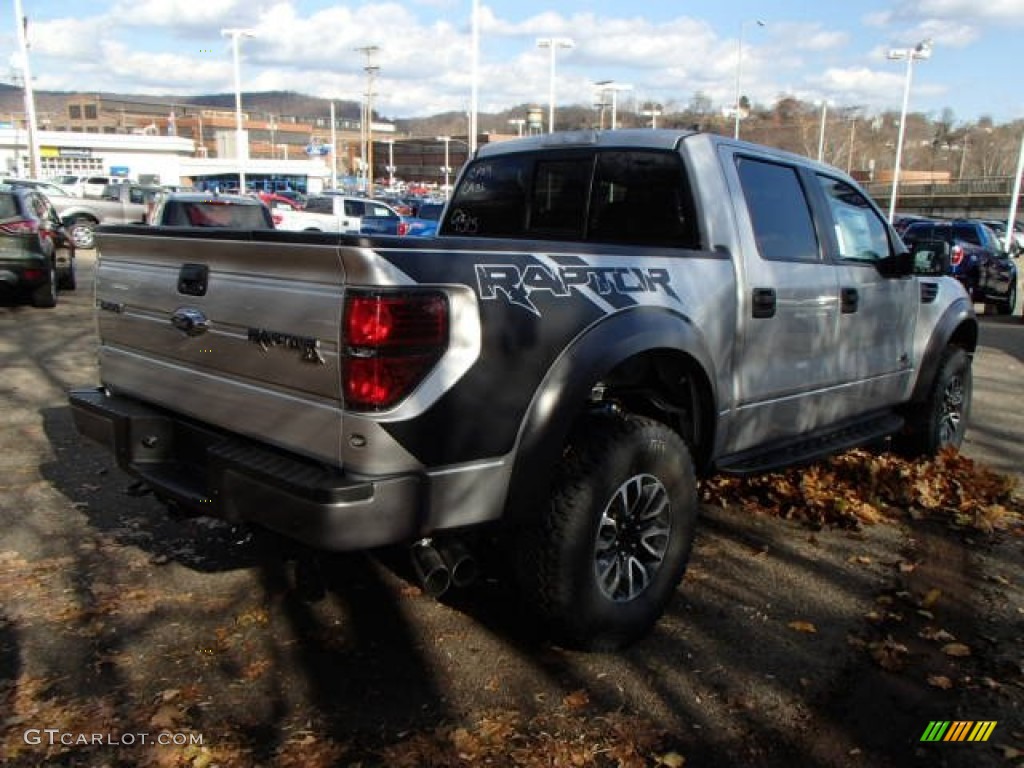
[(789, 643)]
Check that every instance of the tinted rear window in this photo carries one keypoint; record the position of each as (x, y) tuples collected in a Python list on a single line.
[(215, 214), (8, 207), (627, 196)]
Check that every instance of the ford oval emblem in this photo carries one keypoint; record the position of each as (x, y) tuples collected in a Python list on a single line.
[(190, 321)]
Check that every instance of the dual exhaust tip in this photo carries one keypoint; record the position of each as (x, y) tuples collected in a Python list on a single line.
[(440, 565)]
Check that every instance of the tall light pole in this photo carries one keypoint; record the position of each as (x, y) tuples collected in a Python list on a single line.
[(739, 70), (554, 43), (1011, 216), (821, 132), (21, 20), (652, 113), (474, 76), (446, 168), (610, 86), (922, 50), (235, 34), (391, 162)]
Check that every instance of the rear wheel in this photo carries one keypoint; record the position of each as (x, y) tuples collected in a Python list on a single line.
[(941, 420), (1006, 306), (67, 280), (80, 230), (45, 295), (604, 561)]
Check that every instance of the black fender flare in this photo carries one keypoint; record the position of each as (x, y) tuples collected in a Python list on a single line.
[(565, 392), (958, 325)]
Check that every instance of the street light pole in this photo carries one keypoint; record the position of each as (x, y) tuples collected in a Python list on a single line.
[(235, 34), (739, 70), (922, 50), (821, 133), (34, 162), (446, 169), (474, 105), (610, 86), (554, 43), (391, 162), (652, 113)]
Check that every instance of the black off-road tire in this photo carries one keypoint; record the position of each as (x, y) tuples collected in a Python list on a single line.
[(941, 420), (624, 501), (45, 295)]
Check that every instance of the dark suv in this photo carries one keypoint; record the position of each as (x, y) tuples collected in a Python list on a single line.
[(976, 259), (36, 255)]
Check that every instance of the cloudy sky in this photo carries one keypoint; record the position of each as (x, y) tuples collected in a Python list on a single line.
[(667, 51)]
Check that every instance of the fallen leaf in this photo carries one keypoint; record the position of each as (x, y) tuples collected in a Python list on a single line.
[(908, 567), (956, 649), (803, 626), (931, 598), (936, 635), (672, 760), (940, 681), (576, 700), (860, 559), (1010, 753)]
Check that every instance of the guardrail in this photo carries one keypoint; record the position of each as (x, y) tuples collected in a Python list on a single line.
[(994, 186)]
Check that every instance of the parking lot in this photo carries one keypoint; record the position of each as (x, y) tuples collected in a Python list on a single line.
[(786, 644)]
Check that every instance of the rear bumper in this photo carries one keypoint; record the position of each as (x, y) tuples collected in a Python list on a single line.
[(16, 274), (207, 472)]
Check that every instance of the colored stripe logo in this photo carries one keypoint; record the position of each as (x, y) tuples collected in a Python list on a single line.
[(959, 730)]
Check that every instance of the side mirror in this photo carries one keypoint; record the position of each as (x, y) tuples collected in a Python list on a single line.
[(899, 264), (931, 258)]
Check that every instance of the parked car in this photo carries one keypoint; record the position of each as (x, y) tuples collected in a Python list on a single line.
[(37, 257), (1016, 243), (204, 209), (424, 223), (901, 221), (339, 213), (86, 185), (120, 204), (47, 188), (976, 259)]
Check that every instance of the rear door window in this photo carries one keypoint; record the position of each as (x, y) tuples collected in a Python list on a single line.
[(779, 211)]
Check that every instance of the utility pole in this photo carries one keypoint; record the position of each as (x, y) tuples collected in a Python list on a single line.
[(367, 132)]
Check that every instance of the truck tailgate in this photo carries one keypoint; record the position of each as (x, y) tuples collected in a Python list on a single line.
[(238, 333)]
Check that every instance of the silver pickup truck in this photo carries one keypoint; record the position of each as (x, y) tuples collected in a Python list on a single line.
[(118, 204), (602, 319)]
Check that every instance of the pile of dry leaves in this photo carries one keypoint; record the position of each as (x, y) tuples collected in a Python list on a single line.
[(862, 487)]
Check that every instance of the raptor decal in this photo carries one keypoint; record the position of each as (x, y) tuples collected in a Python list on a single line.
[(518, 284)]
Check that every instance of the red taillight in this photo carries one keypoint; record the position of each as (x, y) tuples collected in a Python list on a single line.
[(277, 218), (390, 343), (20, 227), (403, 228), (956, 255)]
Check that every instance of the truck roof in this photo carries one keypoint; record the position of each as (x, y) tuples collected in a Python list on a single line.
[(661, 138)]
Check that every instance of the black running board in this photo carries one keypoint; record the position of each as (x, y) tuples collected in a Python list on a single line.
[(812, 446)]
